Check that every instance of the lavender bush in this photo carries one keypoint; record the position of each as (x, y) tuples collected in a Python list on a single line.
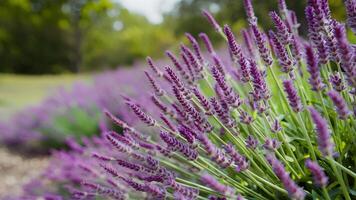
[(74, 113), (265, 126)]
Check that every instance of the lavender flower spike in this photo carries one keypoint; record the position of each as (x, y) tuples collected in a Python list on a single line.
[(141, 114), (320, 179), (323, 133), (214, 184), (212, 20), (313, 69), (282, 30), (261, 43), (292, 95), (351, 14), (340, 104), (252, 19), (281, 53), (294, 191)]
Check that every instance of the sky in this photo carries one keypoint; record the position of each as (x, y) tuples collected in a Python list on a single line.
[(152, 9)]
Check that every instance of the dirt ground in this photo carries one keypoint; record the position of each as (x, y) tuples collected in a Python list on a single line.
[(16, 170)]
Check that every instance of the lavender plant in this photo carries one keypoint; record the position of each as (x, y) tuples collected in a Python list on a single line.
[(265, 126)]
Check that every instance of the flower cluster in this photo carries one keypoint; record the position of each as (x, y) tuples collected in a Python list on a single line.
[(223, 136)]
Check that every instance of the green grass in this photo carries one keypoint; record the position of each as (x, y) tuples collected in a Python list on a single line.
[(20, 91)]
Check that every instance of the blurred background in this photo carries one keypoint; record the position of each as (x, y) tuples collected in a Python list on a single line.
[(63, 61)]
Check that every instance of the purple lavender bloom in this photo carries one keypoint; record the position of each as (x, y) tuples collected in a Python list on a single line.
[(211, 182), (315, 35), (248, 43), (178, 66), (294, 191), (292, 95), (276, 126), (281, 53), (283, 33), (261, 44), (313, 69), (154, 67), (158, 90), (340, 104), (207, 42), (320, 179), (252, 19), (260, 88), (231, 97), (351, 14), (176, 145), (251, 142), (237, 54), (346, 54), (245, 117), (337, 82), (271, 144), (323, 133), (212, 20), (203, 101), (197, 67), (215, 154), (239, 160), (196, 47), (141, 114)]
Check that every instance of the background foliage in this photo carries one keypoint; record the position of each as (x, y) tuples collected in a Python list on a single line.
[(41, 36)]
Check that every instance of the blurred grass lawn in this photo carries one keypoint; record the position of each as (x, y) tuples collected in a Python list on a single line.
[(20, 91)]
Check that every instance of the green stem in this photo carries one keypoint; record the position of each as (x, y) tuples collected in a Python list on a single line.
[(339, 178), (306, 136)]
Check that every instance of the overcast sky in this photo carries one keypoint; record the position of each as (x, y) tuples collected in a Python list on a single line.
[(152, 9)]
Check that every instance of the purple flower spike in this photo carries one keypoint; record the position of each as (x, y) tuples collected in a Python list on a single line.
[(248, 43), (212, 20), (346, 53), (141, 114), (252, 19), (340, 104), (196, 47), (323, 133), (292, 95), (281, 53), (271, 144), (315, 35), (239, 160), (176, 145), (211, 182), (203, 101), (158, 90), (261, 43), (154, 68), (235, 48), (260, 89), (320, 179), (177, 65), (313, 69), (276, 126), (351, 14), (294, 191), (251, 142), (207, 42), (337, 82), (283, 33)]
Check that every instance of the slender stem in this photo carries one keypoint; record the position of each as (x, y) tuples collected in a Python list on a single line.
[(326, 194), (339, 178), (348, 171), (306, 136)]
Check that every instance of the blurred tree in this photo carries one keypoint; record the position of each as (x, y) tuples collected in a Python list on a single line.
[(187, 17), (45, 36)]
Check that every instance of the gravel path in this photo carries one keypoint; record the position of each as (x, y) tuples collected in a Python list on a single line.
[(16, 170)]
